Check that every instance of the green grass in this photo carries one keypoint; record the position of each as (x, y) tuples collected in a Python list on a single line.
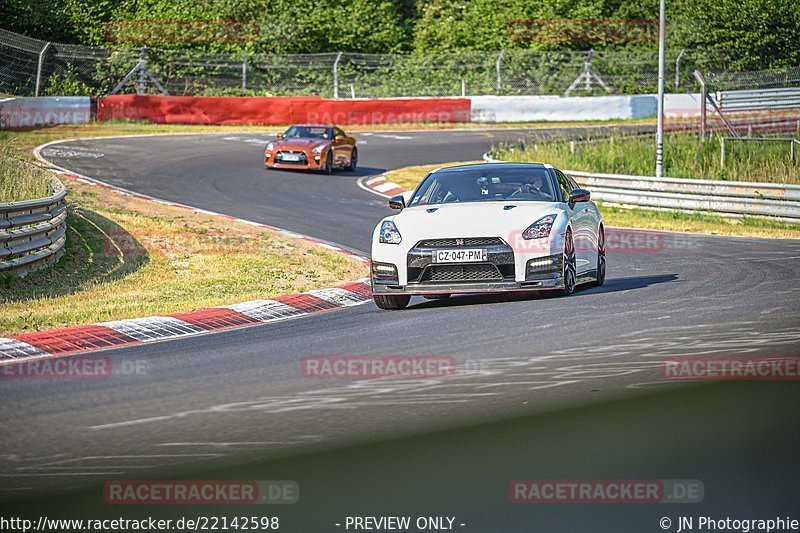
[(128, 258), (20, 180), (684, 157)]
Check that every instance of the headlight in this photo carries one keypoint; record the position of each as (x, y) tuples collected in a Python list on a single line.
[(389, 233), (270, 147), (540, 229), (318, 149)]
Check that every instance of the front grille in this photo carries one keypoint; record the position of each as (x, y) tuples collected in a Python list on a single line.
[(449, 273), (466, 241), (303, 158)]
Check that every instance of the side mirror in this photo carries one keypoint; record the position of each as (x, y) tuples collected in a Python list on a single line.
[(579, 195), (397, 202), (339, 138), (280, 136)]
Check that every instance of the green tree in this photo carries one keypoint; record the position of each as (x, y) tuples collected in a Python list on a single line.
[(759, 34)]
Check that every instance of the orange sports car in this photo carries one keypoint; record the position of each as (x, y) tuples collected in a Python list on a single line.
[(312, 147)]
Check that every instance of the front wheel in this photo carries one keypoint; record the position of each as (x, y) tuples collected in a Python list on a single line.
[(353, 160), (391, 303), (328, 169), (600, 273), (568, 265)]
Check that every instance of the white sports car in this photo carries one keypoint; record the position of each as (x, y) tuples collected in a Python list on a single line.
[(491, 227)]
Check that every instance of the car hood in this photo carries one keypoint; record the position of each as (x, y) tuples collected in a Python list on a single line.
[(491, 219), (299, 143)]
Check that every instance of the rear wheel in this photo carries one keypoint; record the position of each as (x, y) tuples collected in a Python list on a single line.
[(391, 303), (601, 257), (568, 265), (353, 160)]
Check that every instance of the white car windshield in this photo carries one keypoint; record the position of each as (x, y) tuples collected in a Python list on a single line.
[(482, 184), (308, 132)]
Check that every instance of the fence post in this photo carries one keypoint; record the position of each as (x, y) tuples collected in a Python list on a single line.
[(244, 74), (336, 75), (142, 70), (703, 95), (722, 152), (677, 69), (499, 77), (39, 67)]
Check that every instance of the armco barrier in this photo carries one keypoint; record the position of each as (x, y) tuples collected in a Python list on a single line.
[(33, 232), (489, 109), (776, 201), (277, 110), (44, 111)]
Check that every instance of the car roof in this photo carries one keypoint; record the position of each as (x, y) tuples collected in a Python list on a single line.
[(494, 166), (314, 125)]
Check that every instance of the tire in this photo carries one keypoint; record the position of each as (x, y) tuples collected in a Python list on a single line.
[(328, 169), (391, 303), (568, 265), (436, 296), (353, 160), (601, 257)]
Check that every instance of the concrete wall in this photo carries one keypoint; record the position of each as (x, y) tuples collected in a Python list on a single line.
[(488, 109), (530, 108), (26, 112), (682, 105), (48, 110)]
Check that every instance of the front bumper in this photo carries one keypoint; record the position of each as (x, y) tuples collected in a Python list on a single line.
[(504, 269), (468, 288), (308, 160)]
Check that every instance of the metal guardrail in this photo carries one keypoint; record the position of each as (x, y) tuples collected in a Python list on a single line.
[(760, 99), (775, 201), (33, 232)]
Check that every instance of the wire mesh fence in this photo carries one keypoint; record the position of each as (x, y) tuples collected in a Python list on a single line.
[(33, 67), (759, 79)]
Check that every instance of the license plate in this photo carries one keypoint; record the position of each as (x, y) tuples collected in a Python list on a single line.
[(290, 157), (470, 255)]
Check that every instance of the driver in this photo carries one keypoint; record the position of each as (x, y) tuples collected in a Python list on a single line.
[(537, 182)]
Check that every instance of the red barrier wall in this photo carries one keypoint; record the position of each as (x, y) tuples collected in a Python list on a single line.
[(281, 110)]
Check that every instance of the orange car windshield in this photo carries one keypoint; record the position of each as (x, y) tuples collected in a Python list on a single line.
[(308, 132)]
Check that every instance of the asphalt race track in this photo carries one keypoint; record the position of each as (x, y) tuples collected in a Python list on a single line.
[(548, 388)]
